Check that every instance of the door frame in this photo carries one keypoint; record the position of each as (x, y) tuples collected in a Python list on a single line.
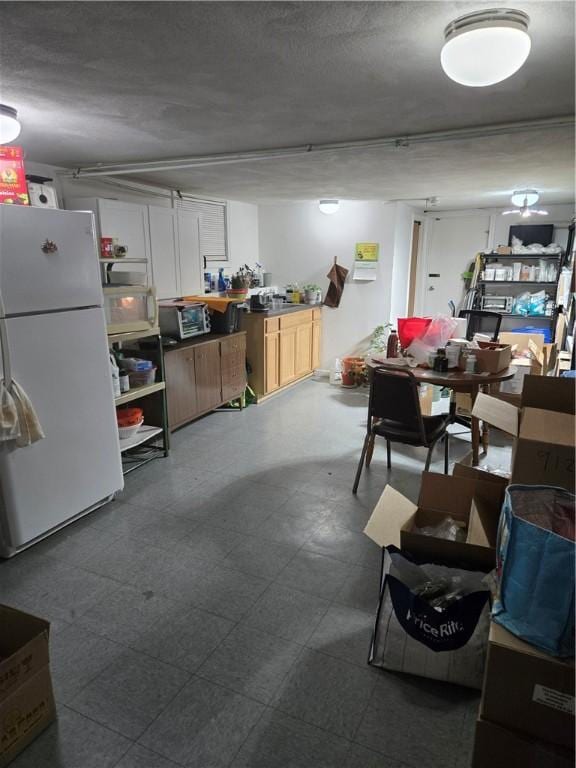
[(426, 232)]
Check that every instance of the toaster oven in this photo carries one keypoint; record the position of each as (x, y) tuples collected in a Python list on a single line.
[(130, 308), (498, 303), (183, 319)]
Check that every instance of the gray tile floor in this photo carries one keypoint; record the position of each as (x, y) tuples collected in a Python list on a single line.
[(219, 612)]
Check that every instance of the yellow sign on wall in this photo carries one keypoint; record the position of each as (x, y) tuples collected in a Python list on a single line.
[(367, 251)]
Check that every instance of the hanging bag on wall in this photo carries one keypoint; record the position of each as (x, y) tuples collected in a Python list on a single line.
[(432, 621), (535, 559)]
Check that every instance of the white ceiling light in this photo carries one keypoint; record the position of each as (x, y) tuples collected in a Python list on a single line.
[(485, 47), (329, 206), (9, 125), (525, 197)]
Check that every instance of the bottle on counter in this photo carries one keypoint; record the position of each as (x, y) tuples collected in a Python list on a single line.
[(471, 364), (392, 346), (441, 361), (221, 280)]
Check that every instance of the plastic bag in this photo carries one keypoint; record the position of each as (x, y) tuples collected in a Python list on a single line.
[(448, 529), (437, 334), (538, 303), (522, 304)]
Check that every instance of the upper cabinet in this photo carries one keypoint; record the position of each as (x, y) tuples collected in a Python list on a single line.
[(168, 239)]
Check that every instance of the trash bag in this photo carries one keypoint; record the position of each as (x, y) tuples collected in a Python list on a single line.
[(432, 621), (535, 565)]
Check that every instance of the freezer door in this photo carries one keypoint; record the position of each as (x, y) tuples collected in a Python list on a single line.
[(48, 260), (61, 361)]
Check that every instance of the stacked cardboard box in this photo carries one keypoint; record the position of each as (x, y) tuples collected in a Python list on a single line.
[(527, 708), (26, 699)]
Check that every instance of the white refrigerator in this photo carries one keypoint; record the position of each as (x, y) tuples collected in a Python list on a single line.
[(53, 318)]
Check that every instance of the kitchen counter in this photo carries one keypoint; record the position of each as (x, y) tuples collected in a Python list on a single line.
[(287, 310), (205, 338)]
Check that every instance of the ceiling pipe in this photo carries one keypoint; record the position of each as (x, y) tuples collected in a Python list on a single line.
[(395, 142)]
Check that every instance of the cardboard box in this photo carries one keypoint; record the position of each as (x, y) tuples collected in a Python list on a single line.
[(528, 690), (530, 350), (544, 429), (474, 503), (463, 402), (492, 357), (426, 393), (498, 747), (504, 250), (26, 698)]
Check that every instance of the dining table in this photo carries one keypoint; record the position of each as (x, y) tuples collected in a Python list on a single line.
[(457, 381)]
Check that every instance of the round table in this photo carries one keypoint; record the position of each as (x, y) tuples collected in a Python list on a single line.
[(458, 381)]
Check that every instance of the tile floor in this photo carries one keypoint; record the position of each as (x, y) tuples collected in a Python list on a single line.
[(219, 612)]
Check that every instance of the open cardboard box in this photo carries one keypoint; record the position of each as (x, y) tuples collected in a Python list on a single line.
[(26, 699), (543, 426), (528, 690), (492, 356), (499, 747), (473, 502)]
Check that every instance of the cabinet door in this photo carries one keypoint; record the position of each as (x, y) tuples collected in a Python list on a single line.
[(316, 344), (163, 247), (191, 267), (208, 376), (287, 355), (303, 363), (233, 364), (128, 222), (271, 362), (180, 386)]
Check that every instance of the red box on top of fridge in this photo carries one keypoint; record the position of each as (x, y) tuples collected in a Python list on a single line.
[(13, 188)]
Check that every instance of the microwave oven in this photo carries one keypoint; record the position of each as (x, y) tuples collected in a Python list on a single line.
[(130, 308), (183, 319), (502, 304)]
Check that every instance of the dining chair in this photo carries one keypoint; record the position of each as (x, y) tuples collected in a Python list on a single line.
[(481, 321), (394, 413)]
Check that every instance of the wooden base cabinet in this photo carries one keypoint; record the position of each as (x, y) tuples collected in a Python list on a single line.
[(203, 374), (282, 349)]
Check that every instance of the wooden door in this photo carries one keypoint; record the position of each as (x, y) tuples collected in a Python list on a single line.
[(303, 364), (287, 355), (233, 364), (208, 376), (271, 361), (316, 344), (180, 386), (163, 246), (191, 267)]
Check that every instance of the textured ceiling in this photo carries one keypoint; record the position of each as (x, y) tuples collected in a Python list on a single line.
[(99, 82)]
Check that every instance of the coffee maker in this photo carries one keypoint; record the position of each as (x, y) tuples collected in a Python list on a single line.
[(259, 303)]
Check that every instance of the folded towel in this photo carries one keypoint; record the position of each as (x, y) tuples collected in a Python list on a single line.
[(18, 419)]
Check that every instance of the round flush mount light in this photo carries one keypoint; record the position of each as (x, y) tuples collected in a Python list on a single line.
[(525, 197), (9, 125), (485, 47), (329, 206)]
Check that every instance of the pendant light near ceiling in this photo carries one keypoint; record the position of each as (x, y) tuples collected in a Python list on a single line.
[(329, 206), (485, 47), (524, 199), (9, 125)]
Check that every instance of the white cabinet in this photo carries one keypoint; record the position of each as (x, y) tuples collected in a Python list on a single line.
[(191, 267), (168, 238), (164, 249)]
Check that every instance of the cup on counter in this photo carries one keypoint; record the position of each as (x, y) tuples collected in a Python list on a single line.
[(277, 303)]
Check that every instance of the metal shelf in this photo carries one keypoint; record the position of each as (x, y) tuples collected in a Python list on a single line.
[(138, 392), (520, 256), (115, 338), (517, 282), (144, 434), (528, 317)]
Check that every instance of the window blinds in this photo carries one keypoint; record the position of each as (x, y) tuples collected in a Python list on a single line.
[(213, 240)]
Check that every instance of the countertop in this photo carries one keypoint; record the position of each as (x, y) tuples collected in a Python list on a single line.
[(287, 310), (204, 338)]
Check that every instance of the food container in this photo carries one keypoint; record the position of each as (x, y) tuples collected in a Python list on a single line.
[(129, 417), (501, 273), (489, 273), (142, 378), (126, 432)]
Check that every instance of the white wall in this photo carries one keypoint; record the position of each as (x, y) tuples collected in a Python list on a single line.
[(298, 243), (242, 217)]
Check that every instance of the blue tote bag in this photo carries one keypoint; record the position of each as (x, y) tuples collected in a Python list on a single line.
[(535, 553)]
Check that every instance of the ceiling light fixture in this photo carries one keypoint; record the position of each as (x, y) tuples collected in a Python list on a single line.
[(329, 206), (524, 199), (9, 125), (485, 47)]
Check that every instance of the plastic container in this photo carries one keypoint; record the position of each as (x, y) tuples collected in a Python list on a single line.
[(410, 328), (142, 378), (126, 432), (129, 417), (137, 364)]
